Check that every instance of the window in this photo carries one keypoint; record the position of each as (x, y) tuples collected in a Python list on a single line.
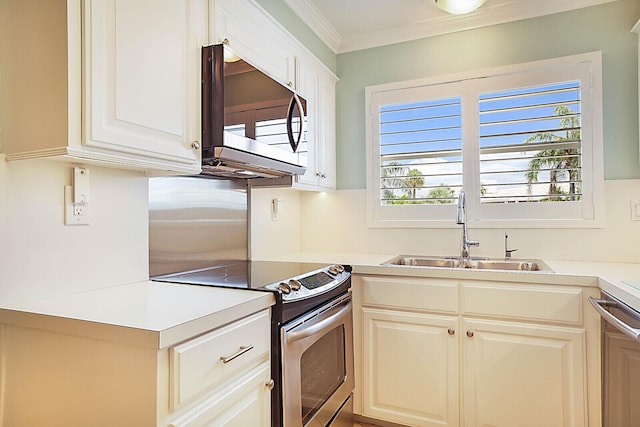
[(524, 143)]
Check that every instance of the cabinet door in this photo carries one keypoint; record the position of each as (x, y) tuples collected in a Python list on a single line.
[(254, 36), (326, 142), (245, 403), (142, 84), (410, 368), (523, 375), (621, 380), (307, 81), (319, 90)]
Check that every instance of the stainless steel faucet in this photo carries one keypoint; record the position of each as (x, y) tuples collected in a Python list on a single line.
[(461, 218), (507, 251)]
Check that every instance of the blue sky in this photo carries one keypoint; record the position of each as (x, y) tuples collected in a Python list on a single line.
[(506, 118)]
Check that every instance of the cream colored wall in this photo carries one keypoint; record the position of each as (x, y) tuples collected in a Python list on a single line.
[(271, 238), (40, 256), (336, 222)]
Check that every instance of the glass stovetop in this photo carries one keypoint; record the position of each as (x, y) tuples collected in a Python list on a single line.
[(242, 274)]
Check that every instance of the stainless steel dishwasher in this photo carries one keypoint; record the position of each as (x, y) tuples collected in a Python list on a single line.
[(620, 362)]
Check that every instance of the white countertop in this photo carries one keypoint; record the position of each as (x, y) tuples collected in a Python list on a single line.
[(149, 314), (622, 280), (158, 315)]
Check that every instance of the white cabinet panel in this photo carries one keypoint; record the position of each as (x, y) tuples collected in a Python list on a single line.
[(198, 365), (410, 365), (246, 403), (142, 77), (523, 375), (326, 141), (525, 355), (318, 87), (255, 37), (73, 380), (119, 83), (528, 303), (411, 293), (260, 40)]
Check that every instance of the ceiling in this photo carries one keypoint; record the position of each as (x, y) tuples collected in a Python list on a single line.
[(360, 24)]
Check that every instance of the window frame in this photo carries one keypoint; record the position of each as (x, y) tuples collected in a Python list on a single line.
[(588, 213)]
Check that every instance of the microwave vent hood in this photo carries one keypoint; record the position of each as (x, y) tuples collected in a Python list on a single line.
[(230, 154), (241, 157)]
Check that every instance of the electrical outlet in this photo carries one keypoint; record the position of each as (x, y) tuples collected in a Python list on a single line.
[(74, 213)]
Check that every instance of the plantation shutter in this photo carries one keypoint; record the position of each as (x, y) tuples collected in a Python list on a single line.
[(530, 144), (524, 142), (421, 152)]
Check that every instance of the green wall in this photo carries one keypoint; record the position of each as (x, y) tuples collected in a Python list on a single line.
[(605, 27)]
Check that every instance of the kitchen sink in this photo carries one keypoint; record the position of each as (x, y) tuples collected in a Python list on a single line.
[(478, 264)]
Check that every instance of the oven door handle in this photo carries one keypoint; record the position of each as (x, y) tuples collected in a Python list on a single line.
[(322, 324), (626, 329)]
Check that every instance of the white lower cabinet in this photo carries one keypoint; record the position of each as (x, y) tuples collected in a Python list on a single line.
[(243, 403), (403, 352), (225, 373), (440, 352), (91, 379), (516, 374)]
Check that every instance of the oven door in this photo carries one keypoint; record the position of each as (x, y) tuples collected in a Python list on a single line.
[(317, 364)]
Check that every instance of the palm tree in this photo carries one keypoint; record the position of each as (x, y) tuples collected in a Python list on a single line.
[(392, 179), (413, 181), (558, 161)]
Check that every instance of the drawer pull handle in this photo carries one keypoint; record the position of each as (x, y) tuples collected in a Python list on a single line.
[(451, 331), (470, 334), (271, 384), (243, 349)]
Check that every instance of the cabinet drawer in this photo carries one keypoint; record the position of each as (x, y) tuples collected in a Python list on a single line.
[(243, 403), (417, 294), (204, 362), (531, 303)]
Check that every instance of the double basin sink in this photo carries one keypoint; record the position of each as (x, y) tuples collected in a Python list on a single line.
[(473, 263)]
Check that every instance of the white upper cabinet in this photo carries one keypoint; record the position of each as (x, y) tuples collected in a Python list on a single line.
[(119, 82), (142, 74), (318, 86), (256, 37)]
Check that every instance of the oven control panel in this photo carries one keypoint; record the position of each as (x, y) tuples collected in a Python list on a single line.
[(312, 283)]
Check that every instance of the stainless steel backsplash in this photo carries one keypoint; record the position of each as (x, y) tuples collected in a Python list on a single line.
[(196, 222)]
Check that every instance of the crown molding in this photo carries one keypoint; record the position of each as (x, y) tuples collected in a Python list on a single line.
[(311, 15), (491, 13)]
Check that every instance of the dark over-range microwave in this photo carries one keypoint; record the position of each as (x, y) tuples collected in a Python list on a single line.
[(252, 125)]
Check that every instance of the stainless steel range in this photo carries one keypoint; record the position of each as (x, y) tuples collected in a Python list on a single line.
[(197, 232)]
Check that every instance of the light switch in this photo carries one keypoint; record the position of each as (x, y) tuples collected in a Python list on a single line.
[(275, 209)]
